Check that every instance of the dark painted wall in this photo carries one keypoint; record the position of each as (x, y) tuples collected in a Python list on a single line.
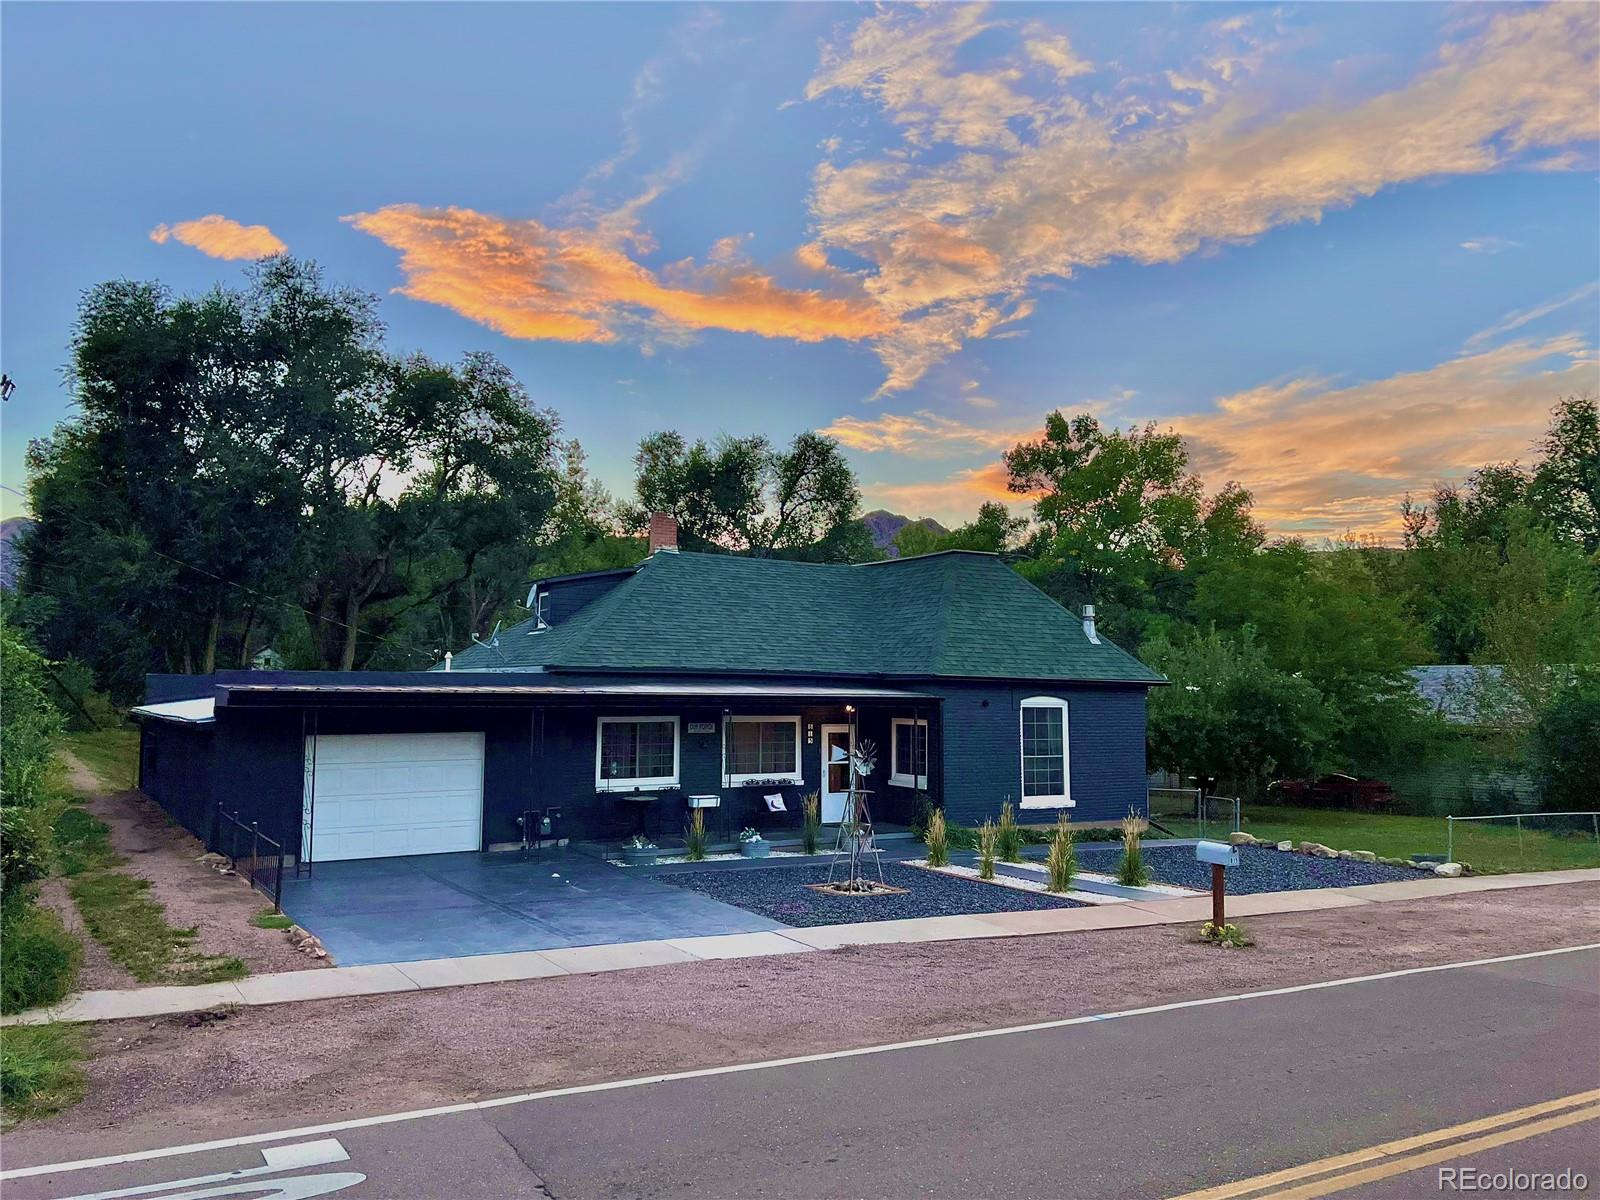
[(175, 768), (569, 595), (983, 758), (541, 757)]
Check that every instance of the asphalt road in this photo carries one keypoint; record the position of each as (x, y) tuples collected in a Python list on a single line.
[(1146, 1106)]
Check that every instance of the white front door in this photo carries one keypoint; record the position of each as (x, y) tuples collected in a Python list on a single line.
[(835, 774), (374, 795)]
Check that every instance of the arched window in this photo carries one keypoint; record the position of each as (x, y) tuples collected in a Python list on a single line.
[(1046, 773)]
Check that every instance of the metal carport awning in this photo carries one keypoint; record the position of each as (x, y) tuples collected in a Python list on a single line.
[(185, 712), (577, 692)]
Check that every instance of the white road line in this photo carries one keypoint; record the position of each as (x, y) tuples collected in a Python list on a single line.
[(445, 1110)]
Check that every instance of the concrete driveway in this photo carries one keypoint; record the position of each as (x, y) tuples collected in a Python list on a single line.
[(447, 905)]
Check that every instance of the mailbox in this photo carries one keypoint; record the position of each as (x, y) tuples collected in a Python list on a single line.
[(1217, 854)]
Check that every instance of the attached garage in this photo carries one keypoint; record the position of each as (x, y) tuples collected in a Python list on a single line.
[(380, 795)]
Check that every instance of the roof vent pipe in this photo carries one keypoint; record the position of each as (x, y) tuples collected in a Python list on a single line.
[(1088, 624), (448, 656)]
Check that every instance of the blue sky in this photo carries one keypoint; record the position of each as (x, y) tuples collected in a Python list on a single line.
[(1347, 250)]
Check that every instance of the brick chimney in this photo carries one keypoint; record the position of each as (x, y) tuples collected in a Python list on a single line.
[(663, 532)]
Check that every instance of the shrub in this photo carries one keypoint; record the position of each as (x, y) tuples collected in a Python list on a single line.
[(986, 841), (810, 822), (38, 958), (39, 1072), (1131, 871), (923, 814), (938, 842), (1008, 838), (24, 855), (694, 836), (1062, 864)]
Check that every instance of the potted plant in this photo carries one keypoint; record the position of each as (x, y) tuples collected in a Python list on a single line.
[(752, 844), (639, 851)]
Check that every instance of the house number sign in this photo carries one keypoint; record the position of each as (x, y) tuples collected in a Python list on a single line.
[(702, 726)]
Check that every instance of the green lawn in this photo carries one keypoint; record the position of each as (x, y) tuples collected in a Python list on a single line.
[(112, 754), (39, 1072), (1489, 848)]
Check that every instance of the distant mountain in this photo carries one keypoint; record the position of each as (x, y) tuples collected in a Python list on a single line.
[(883, 525), (10, 530)]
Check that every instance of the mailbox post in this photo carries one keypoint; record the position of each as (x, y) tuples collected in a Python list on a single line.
[(1220, 857)]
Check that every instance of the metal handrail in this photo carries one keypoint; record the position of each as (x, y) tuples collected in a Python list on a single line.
[(236, 826)]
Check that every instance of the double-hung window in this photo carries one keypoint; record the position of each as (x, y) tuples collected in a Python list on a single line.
[(635, 752), (763, 749), (1046, 777), (908, 752)]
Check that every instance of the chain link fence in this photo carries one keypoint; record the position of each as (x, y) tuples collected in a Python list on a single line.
[(1525, 841), (1189, 813)]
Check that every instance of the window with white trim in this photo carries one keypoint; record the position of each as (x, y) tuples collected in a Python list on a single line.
[(1046, 773), (908, 752), (635, 752), (765, 749)]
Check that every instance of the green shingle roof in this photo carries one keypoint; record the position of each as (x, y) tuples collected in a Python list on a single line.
[(956, 614)]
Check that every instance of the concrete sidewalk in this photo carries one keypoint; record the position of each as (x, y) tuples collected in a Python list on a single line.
[(579, 960)]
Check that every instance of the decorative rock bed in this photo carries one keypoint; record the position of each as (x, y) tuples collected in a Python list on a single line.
[(786, 894), (1260, 869)]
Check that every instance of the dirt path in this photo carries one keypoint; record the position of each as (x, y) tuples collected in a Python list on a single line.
[(163, 1080), (158, 849)]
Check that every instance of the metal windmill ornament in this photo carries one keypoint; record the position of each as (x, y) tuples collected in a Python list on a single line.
[(855, 846)]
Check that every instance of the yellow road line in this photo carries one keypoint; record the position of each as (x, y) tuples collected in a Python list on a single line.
[(1415, 1162), (1355, 1158)]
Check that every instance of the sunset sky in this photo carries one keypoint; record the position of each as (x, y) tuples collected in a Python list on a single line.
[(1348, 250)]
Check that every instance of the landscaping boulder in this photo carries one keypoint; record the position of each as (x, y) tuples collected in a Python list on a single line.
[(1285, 845), (1364, 856), (1448, 869), (1347, 853), (1318, 850), (1242, 839)]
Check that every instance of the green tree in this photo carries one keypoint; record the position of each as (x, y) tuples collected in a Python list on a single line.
[(994, 531), (1120, 520), (1229, 716), (743, 496), (1566, 745), (1566, 484)]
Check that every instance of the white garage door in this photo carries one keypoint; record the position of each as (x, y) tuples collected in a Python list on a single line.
[(377, 795)]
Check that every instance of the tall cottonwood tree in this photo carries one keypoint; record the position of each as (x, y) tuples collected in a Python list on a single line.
[(251, 459), (745, 496)]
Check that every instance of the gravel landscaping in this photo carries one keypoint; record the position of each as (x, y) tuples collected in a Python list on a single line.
[(783, 895), (1258, 870)]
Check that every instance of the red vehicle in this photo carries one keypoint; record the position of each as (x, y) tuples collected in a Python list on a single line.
[(1333, 791)]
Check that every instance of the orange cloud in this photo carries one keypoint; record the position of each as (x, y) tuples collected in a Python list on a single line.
[(922, 433), (530, 280), (1322, 460), (221, 237), (1327, 460), (1011, 172)]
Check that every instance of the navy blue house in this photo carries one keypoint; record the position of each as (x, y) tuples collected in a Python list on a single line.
[(688, 680)]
